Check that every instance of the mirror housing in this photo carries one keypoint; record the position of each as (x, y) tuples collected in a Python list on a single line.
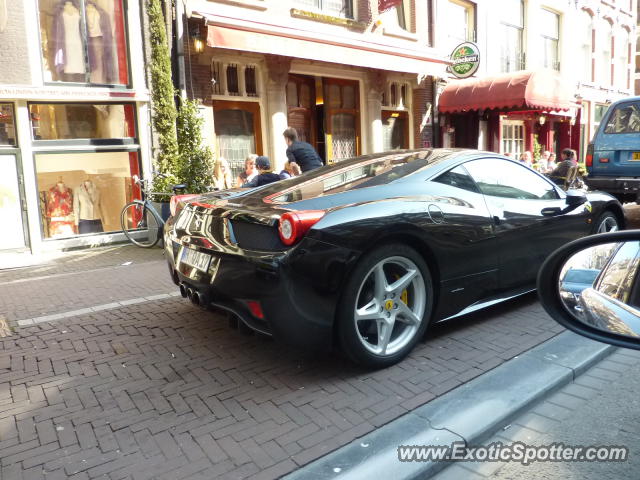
[(594, 300), (575, 198)]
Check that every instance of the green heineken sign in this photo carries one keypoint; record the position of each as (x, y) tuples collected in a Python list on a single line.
[(465, 60)]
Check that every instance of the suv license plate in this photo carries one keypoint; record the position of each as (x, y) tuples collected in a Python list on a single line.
[(195, 259), (635, 157)]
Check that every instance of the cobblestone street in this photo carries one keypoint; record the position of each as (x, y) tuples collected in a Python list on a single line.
[(134, 383)]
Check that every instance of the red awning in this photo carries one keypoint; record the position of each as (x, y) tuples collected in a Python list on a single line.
[(539, 90), (292, 42)]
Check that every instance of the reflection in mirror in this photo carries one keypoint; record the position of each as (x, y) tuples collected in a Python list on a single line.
[(598, 287)]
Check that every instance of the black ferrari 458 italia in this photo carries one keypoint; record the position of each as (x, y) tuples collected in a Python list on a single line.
[(368, 252)]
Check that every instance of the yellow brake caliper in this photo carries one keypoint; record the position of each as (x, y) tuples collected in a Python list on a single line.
[(404, 296)]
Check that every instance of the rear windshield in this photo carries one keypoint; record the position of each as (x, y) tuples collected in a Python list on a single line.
[(624, 119), (581, 276), (367, 173)]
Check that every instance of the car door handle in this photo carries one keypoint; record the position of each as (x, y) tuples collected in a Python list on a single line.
[(551, 211)]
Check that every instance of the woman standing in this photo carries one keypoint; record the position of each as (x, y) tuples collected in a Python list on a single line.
[(249, 172), (222, 175)]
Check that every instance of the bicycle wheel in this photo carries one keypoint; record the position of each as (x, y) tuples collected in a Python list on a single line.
[(140, 225)]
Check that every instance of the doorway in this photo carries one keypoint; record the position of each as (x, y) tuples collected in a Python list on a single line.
[(325, 113), (12, 212)]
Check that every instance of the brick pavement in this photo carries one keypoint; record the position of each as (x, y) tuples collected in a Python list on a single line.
[(163, 390)]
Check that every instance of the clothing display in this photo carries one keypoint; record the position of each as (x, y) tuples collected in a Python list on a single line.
[(60, 210), (87, 206), (69, 55), (68, 44)]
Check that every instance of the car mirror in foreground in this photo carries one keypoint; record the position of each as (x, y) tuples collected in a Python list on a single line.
[(591, 287)]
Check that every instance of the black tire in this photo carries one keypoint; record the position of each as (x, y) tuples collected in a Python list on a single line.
[(140, 225), (354, 334), (606, 222)]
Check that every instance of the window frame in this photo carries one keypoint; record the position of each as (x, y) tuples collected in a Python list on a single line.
[(471, 31), (555, 40), (319, 7), (127, 141), (552, 187), (16, 144), (520, 55), (89, 84)]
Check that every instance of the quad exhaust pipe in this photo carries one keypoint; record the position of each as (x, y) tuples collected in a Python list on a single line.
[(197, 298)]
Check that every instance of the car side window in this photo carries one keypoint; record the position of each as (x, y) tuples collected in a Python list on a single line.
[(624, 119), (502, 178), (458, 177)]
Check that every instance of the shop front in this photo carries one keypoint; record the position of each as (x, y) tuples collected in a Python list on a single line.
[(335, 93), (510, 113), (72, 140)]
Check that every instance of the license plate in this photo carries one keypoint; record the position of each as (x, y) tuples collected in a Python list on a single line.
[(195, 259), (635, 157)]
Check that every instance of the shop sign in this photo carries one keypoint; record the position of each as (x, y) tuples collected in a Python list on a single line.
[(465, 60)]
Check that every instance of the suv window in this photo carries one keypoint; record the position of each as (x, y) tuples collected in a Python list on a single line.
[(458, 177), (624, 119), (502, 178)]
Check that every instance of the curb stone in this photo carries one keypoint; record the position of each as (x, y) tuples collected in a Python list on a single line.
[(469, 413)]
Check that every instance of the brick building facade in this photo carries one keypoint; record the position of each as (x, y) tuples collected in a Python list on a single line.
[(351, 78)]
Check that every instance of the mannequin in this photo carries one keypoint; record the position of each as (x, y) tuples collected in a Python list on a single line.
[(88, 207), (69, 55), (60, 210), (100, 44)]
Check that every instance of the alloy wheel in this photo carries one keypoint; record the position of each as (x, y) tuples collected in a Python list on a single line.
[(390, 305), (608, 224)]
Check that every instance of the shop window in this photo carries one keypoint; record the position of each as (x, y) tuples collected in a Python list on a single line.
[(461, 23), (84, 192), (339, 8), (395, 130), (83, 41), (234, 79), (7, 126), (58, 121), (550, 33), (512, 27), (237, 128), (513, 137)]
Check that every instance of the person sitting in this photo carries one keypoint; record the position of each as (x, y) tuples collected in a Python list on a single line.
[(559, 174), (291, 169), (526, 158), (222, 175), (299, 152), (249, 172), (265, 175), (551, 164)]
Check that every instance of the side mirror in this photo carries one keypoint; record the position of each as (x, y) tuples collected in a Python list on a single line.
[(575, 198), (592, 287)]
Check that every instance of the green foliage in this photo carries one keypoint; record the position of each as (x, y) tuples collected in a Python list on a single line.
[(195, 160), (537, 149), (163, 102)]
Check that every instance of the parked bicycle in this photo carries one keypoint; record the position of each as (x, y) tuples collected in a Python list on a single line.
[(141, 223)]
